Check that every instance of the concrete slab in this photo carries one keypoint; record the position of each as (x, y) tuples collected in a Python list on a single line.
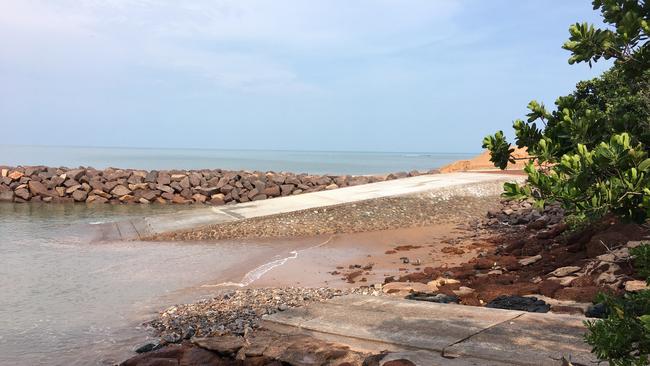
[(455, 334), (531, 339), (444, 185)]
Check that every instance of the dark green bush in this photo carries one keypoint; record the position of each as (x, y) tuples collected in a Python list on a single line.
[(590, 154)]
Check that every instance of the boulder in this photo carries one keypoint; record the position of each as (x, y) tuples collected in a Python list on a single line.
[(120, 190), (197, 197), (75, 174), (259, 197), (6, 195), (151, 177), (22, 193), (79, 195), (185, 182), (96, 199), (272, 191), (38, 188), (217, 199), (15, 175), (226, 345), (286, 189), (163, 178), (195, 179)]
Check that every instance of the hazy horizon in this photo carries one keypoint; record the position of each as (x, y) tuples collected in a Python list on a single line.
[(376, 76)]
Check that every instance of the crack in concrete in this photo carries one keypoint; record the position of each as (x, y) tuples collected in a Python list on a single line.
[(444, 349)]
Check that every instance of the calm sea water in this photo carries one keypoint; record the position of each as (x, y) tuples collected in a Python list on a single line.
[(67, 300), (315, 162)]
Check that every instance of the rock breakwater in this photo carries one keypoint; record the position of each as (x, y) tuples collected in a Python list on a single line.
[(214, 186)]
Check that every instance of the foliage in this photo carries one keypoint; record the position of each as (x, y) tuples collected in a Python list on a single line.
[(591, 152), (623, 337)]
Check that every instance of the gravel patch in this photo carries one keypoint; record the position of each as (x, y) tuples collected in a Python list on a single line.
[(370, 215), (238, 311)]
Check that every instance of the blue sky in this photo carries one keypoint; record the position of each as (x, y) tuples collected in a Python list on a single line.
[(384, 75)]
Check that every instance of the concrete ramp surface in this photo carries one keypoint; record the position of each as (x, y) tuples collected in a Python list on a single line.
[(445, 185), (440, 334)]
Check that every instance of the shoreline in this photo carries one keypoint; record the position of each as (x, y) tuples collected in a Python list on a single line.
[(126, 186), (506, 256)]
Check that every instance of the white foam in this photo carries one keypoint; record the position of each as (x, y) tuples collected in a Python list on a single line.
[(260, 271)]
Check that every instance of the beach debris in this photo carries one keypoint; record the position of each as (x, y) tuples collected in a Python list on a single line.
[(530, 304)]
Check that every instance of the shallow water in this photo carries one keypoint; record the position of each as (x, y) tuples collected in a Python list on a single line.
[(65, 299), (314, 162)]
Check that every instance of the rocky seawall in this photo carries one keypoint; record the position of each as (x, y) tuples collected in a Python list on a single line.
[(216, 186)]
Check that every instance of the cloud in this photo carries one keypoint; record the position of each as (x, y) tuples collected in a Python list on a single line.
[(237, 44)]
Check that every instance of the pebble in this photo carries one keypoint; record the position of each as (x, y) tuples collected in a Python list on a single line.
[(235, 312)]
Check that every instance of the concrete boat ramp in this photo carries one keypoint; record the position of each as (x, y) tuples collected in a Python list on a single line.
[(448, 185), (431, 334)]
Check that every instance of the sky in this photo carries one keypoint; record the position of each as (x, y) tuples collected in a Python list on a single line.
[(334, 75)]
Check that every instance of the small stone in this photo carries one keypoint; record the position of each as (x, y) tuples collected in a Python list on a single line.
[(564, 271), (463, 291), (530, 260), (146, 347), (564, 281)]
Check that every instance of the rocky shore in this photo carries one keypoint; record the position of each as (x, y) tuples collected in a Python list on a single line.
[(531, 260), (215, 187)]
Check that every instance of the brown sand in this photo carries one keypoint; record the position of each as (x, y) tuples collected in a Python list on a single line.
[(352, 260), (482, 162)]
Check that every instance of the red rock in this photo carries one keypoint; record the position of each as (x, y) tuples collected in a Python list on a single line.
[(483, 263), (79, 195), (579, 294), (15, 175), (38, 188), (549, 288), (120, 191)]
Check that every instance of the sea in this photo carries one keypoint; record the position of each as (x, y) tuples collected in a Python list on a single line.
[(312, 162), (67, 299)]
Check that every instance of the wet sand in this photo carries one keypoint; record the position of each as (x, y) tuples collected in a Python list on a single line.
[(326, 260)]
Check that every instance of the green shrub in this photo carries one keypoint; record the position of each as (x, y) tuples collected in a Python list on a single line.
[(591, 152)]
